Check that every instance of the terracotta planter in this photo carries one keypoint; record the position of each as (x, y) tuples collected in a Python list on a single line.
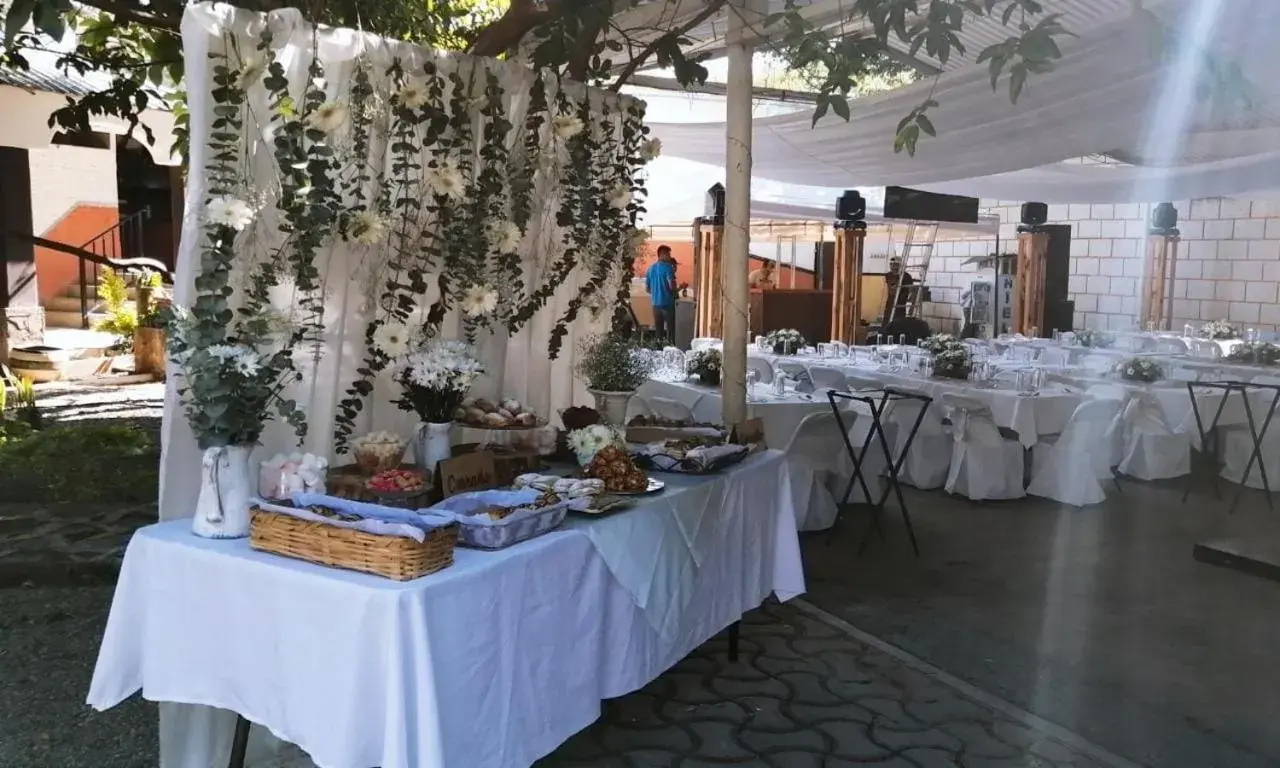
[(148, 351)]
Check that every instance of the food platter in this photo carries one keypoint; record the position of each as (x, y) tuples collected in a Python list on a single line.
[(655, 485), (539, 424)]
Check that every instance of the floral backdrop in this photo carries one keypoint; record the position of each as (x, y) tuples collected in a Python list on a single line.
[(350, 197)]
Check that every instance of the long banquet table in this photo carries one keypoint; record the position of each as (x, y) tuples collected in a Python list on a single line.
[(491, 663)]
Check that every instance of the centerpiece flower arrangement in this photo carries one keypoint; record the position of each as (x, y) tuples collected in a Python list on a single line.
[(953, 361), (937, 342), (1087, 337), (1140, 369), (787, 341), (230, 385), (1219, 330), (588, 441), (434, 381), (1257, 353), (613, 370), (706, 365)]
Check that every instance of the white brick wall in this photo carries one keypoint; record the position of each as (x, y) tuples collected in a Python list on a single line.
[(1228, 262)]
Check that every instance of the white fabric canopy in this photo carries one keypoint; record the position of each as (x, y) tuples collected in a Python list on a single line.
[(1112, 92)]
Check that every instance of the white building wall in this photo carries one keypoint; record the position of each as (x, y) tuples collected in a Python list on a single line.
[(65, 177), (1228, 262)]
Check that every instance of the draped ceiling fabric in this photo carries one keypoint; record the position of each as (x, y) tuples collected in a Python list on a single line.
[(1112, 92)]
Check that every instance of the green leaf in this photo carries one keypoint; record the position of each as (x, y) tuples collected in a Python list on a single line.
[(1017, 79), (926, 125), (841, 107), (17, 17), (820, 111)]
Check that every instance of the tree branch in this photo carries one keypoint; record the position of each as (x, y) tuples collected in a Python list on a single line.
[(713, 7), (125, 12), (516, 22)]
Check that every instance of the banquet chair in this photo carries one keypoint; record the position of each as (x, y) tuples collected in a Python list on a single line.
[(825, 378), (1238, 462), (984, 465), (1069, 468), (815, 444), (1140, 441), (762, 367), (927, 463), (791, 368), (1172, 345)]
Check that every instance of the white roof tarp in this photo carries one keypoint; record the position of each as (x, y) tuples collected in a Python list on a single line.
[(1112, 92)]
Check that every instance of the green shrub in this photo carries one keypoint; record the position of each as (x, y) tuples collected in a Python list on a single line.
[(121, 320)]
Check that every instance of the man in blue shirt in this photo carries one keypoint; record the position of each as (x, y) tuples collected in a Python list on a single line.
[(660, 283)]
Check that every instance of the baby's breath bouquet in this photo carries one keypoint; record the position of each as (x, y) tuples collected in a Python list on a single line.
[(1141, 369), (787, 341), (953, 361), (937, 342), (1257, 353), (1219, 330), (706, 365), (611, 364)]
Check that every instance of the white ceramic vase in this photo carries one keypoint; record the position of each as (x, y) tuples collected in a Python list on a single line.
[(226, 485), (432, 444), (612, 405)]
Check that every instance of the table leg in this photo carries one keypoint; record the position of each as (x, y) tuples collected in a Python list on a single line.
[(239, 743), (733, 640)]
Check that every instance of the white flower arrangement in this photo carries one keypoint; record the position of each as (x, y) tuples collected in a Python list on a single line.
[(228, 211), (1087, 337), (1142, 369), (588, 441), (566, 126), (952, 361), (436, 378), (479, 300), (328, 117), (787, 341), (504, 236), (413, 95), (937, 342), (650, 150), (619, 197), (392, 339), (1219, 330), (366, 228), (445, 180), (1257, 353)]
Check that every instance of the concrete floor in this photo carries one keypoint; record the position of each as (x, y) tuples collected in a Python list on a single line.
[(1097, 619)]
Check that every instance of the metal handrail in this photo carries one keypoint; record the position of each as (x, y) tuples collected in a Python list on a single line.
[(110, 243)]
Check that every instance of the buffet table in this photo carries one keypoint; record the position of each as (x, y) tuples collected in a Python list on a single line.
[(492, 662)]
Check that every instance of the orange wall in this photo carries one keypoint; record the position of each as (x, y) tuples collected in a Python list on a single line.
[(54, 270), (683, 253)]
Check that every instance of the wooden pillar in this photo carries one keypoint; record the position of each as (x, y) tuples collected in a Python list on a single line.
[(1028, 282), (846, 290), (1160, 269), (21, 316), (710, 311)]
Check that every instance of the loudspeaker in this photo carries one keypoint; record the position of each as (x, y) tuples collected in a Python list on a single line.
[(851, 206), (715, 204), (1165, 216), (905, 203), (1034, 214), (1058, 316), (1057, 265)]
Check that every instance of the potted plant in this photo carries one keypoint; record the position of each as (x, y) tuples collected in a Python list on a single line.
[(148, 340), (787, 341), (953, 361), (706, 364), (434, 381), (613, 372)]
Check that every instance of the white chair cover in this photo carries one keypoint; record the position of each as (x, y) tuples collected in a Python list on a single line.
[(1135, 343), (929, 459), (811, 444), (791, 368), (1149, 449), (825, 378), (762, 367), (1070, 469), (704, 343), (984, 465), (1172, 345)]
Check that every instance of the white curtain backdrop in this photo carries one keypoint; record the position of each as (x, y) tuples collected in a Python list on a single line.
[(1111, 92)]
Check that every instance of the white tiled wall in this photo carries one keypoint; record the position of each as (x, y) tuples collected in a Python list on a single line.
[(1228, 262)]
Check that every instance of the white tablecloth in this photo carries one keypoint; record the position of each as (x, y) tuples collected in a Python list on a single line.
[(491, 663)]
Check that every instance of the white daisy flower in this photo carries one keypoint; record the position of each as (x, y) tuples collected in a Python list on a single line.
[(479, 300), (223, 351), (251, 70), (413, 95), (247, 363), (392, 339), (366, 228), (651, 149), (566, 126), (445, 180), (228, 211), (504, 236), (619, 197), (328, 117)]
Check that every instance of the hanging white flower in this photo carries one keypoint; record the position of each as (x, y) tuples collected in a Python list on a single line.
[(504, 236), (479, 300), (413, 95), (328, 117), (445, 180), (566, 126), (228, 211), (247, 363), (392, 339), (366, 228), (619, 197), (251, 70), (650, 150)]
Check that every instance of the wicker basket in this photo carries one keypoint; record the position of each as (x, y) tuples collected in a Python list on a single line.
[(394, 557)]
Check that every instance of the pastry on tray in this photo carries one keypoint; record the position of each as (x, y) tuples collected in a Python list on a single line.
[(485, 414), (653, 420), (614, 466)]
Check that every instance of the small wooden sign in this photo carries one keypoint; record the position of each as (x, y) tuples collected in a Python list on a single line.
[(468, 472), (749, 432)]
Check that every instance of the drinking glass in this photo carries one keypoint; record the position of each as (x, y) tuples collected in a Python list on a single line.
[(753, 377), (780, 384), (926, 366), (1251, 335), (1188, 331), (902, 339), (759, 342)]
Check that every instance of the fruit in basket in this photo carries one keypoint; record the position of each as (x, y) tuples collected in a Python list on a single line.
[(397, 481), (614, 466)]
